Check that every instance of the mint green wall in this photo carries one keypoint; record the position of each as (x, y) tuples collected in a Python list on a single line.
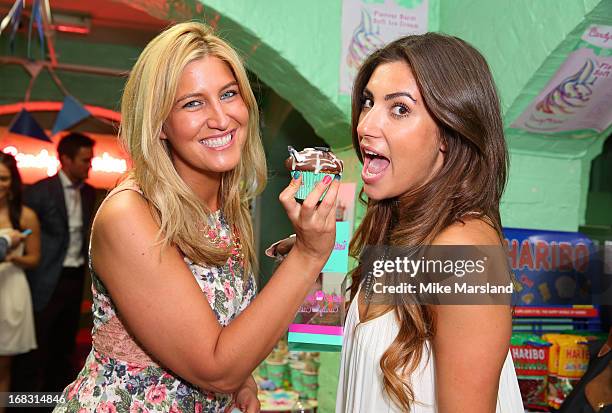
[(294, 47), (524, 42), (516, 36)]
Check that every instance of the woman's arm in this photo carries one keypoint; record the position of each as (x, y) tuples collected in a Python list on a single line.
[(245, 398), (163, 306), (471, 341), (31, 255)]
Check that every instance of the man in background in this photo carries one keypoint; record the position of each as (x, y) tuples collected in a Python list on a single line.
[(64, 204)]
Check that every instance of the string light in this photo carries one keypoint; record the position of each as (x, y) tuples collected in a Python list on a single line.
[(44, 160)]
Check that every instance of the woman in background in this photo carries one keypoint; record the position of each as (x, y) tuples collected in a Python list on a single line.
[(17, 334)]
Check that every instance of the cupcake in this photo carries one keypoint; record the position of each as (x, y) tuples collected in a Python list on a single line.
[(313, 164)]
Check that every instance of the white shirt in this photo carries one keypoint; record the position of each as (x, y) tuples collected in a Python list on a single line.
[(72, 196), (360, 386)]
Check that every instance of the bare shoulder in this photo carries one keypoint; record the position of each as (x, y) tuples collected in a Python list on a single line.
[(28, 216), (124, 216), (470, 231), (122, 208)]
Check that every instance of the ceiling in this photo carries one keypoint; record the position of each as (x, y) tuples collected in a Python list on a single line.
[(111, 21), (113, 25)]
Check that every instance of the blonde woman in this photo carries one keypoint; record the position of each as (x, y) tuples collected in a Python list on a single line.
[(176, 324)]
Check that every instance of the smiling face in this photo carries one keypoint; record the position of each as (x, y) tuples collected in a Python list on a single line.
[(398, 138), (207, 125)]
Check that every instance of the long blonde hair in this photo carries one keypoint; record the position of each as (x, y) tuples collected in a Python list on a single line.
[(462, 100), (146, 103)]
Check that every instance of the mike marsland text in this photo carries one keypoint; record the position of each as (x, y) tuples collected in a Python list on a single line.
[(437, 288)]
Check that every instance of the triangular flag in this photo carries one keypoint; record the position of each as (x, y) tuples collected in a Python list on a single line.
[(72, 113), (25, 124)]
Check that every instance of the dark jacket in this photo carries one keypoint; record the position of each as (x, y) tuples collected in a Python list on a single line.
[(46, 198)]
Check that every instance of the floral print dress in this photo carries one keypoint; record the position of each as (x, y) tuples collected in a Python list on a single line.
[(119, 376)]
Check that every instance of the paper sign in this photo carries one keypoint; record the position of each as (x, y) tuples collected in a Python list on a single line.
[(368, 25), (338, 260), (579, 94)]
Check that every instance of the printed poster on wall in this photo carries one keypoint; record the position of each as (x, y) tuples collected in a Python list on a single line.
[(318, 323), (578, 96), (367, 25), (558, 274)]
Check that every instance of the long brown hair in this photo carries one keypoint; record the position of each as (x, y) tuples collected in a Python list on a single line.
[(14, 194), (459, 93)]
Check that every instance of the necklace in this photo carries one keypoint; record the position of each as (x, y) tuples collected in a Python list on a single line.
[(217, 235)]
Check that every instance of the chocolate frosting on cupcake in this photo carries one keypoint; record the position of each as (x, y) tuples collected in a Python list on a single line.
[(314, 160)]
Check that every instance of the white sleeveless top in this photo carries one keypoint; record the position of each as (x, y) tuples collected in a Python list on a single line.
[(360, 386)]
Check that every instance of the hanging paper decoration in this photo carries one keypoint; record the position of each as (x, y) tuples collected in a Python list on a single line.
[(72, 113), (14, 21), (25, 124), (36, 17), (46, 23), (37, 14), (9, 17), (41, 14), (15, 9), (577, 98)]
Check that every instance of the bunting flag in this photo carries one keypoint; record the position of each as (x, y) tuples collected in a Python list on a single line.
[(37, 15), (72, 113), (25, 124)]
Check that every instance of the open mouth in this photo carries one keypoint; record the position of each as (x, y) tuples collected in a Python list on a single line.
[(219, 142), (374, 164)]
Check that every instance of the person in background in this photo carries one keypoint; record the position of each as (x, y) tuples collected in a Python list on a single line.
[(9, 240), (64, 204), (17, 333)]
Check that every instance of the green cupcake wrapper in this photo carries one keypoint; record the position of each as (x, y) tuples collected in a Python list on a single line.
[(309, 181)]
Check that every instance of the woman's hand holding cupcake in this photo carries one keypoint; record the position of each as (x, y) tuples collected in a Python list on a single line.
[(314, 164), (314, 220)]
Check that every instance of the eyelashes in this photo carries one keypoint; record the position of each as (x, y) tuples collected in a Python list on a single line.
[(228, 94), (192, 104), (366, 102), (398, 109)]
